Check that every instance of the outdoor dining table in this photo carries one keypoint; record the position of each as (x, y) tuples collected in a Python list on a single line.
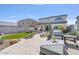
[(51, 48)]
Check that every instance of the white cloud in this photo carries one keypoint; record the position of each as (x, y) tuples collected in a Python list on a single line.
[(12, 16)]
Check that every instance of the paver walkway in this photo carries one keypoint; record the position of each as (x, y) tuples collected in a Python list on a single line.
[(32, 47), (25, 47)]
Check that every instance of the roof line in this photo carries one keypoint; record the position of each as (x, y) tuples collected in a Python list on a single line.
[(53, 16)]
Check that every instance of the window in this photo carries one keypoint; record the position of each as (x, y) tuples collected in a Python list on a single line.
[(23, 23), (27, 22), (59, 19)]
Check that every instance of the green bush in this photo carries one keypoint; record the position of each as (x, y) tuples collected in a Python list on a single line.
[(62, 27), (65, 31), (72, 33), (77, 33)]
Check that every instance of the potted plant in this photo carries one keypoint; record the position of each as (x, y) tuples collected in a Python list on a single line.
[(54, 39)]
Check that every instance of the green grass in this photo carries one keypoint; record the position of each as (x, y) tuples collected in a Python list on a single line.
[(17, 35)]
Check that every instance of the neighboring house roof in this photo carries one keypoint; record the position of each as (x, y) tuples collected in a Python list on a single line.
[(2, 23), (29, 19), (53, 16)]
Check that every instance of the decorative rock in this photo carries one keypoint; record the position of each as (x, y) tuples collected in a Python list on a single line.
[(13, 42)]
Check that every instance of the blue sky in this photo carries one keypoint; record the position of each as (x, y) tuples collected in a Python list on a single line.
[(15, 12)]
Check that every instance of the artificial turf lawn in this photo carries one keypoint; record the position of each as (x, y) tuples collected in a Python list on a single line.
[(17, 35)]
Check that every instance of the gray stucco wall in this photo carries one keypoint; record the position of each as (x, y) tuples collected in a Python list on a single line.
[(13, 29)]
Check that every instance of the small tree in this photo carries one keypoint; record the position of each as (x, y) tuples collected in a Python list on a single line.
[(62, 27)]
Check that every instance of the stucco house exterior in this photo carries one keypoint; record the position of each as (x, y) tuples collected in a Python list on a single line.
[(28, 23), (77, 24), (72, 28), (54, 21)]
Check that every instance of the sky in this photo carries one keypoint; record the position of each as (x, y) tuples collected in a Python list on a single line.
[(16, 12)]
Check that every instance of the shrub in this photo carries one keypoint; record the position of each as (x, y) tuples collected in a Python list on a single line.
[(65, 31), (72, 33), (61, 27)]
